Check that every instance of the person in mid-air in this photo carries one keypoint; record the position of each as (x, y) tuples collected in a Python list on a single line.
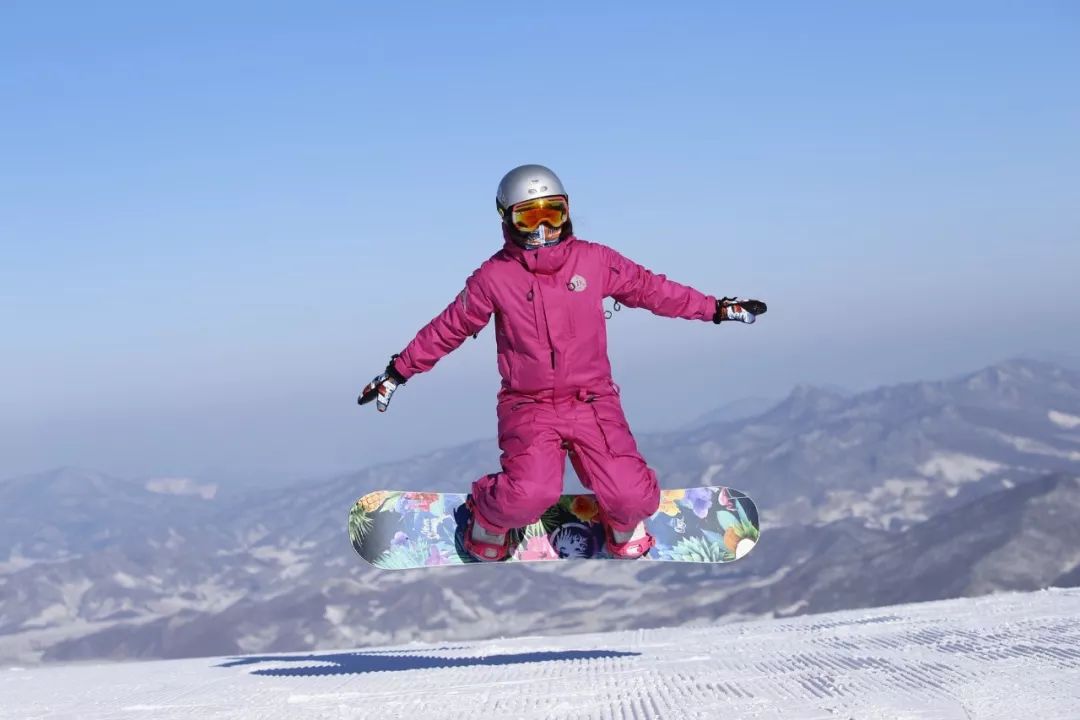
[(546, 288)]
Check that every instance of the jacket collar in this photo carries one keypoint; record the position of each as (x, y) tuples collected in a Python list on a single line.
[(545, 260)]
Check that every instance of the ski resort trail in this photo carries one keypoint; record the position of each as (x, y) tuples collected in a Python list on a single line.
[(1003, 656)]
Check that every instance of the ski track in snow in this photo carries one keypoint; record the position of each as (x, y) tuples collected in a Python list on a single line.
[(1003, 656)]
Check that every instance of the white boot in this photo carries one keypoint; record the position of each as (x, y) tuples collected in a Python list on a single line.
[(483, 544), (480, 534), (622, 537)]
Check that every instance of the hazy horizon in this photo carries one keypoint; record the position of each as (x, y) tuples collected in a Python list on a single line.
[(223, 477), (216, 224)]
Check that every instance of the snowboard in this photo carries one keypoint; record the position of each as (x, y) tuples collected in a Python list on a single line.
[(398, 530)]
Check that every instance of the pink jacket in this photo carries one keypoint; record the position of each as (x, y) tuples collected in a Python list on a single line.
[(550, 331)]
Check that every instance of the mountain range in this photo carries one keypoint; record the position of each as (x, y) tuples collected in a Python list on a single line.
[(903, 493)]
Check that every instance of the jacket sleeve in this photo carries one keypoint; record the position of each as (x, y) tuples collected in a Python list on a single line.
[(635, 286), (465, 316)]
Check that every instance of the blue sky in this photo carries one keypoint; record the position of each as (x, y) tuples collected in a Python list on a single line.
[(217, 220)]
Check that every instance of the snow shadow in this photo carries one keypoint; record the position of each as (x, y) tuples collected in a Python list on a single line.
[(365, 662)]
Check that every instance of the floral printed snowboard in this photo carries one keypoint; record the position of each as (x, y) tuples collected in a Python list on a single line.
[(400, 530)]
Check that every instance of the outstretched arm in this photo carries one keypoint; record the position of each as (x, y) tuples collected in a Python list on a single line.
[(465, 316), (635, 286)]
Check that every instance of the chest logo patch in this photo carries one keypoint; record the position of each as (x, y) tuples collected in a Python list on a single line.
[(577, 284)]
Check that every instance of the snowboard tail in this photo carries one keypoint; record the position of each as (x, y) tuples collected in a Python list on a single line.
[(402, 530)]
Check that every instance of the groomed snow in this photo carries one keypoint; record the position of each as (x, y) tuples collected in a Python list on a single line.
[(1005, 656)]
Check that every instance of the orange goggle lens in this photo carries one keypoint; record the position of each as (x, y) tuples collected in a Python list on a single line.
[(528, 215)]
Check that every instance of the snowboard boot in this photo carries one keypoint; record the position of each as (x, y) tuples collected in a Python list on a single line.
[(628, 545), (481, 543)]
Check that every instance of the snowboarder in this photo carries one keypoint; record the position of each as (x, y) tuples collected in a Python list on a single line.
[(546, 288)]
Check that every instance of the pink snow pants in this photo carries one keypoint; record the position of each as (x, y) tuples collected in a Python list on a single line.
[(535, 434)]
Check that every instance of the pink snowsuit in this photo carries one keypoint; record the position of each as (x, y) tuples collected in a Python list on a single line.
[(557, 392)]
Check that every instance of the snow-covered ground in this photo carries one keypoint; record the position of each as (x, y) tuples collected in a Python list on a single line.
[(1004, 656)]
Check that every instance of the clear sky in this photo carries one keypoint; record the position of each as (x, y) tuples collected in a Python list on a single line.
[(218, 220)]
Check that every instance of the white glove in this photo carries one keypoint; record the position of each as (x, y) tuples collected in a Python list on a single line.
[(382, 387), (742, 309)]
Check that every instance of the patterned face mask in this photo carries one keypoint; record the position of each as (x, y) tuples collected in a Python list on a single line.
[(542, 236)]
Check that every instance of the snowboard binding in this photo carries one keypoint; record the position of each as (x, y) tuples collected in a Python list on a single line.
[(631, 549), (480, 550)]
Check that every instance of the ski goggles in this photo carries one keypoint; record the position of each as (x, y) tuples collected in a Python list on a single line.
[(529, 215)]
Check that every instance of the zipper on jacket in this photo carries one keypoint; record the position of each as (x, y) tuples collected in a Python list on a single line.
[(534, 307)]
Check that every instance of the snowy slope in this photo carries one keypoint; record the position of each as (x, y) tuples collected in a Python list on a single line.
[(1003, 656)]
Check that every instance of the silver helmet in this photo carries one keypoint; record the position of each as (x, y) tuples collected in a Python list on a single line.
[(529, 182)]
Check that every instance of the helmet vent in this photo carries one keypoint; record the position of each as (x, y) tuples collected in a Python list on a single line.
[(527, 182)]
